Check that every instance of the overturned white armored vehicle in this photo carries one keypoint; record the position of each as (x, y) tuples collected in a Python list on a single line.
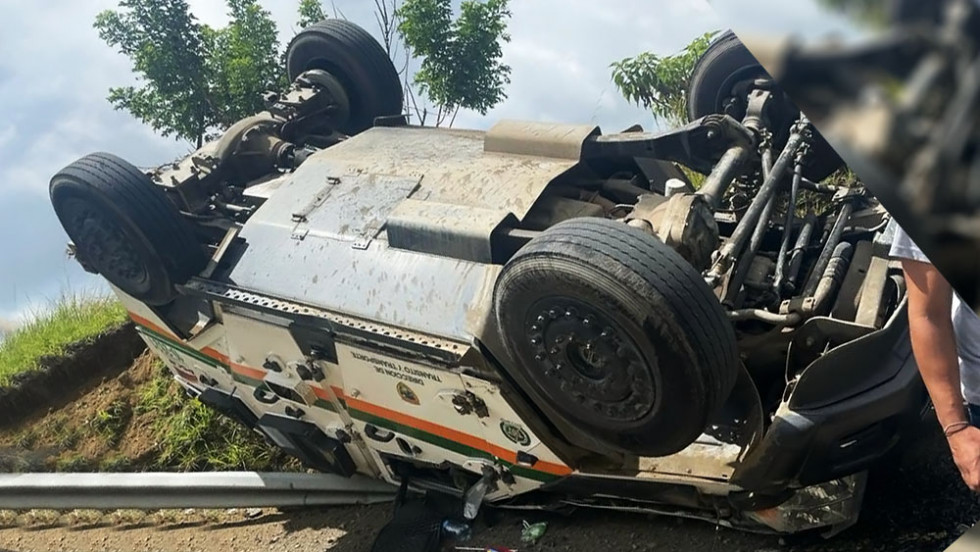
[(535, 316)]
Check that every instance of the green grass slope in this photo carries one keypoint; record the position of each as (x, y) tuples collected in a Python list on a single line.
[(72, 318)]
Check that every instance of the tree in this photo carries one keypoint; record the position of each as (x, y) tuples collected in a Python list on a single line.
[(310, 12), (461, 57), (660, 83), (193, 79), (245, 62), (168, 48)]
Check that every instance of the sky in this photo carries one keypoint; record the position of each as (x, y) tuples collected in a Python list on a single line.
[(55, 73), (809, 20)]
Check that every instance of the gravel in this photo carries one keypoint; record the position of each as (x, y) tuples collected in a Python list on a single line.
[(915, 501)]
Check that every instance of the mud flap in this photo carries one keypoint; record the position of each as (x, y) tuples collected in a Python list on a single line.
[(229, 405), (306, 442)]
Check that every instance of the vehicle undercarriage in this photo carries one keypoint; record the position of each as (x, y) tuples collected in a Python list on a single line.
[(535, 316)]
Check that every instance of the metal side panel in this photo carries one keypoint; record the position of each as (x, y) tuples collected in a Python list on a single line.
[(452, 166), (513, 444), (407, 410), (445, 230), (563, 141), (429, 294), (266, 362)]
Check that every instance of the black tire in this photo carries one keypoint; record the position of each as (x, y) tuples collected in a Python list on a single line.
[(725, 64), (357, 60), (664, 357), (125, 227)]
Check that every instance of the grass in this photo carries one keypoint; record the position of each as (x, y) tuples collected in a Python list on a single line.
[(73, 462), (191, 436), (72, 318), (179, 433), (116, 463), (111, 421)]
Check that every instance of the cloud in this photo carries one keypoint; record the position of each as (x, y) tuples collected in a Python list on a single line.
[(805, 18), (7, 326), (55, 73)]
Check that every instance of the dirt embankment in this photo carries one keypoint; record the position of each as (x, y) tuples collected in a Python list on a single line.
[(61, 380), (110, 421), (915, 503), (95, 430), (99, 410)]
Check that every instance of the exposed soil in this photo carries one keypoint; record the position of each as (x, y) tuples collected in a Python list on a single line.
[(48, 440), (64, 379), (915, 500)]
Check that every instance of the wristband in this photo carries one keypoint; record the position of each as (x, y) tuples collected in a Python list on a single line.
[(955, 427)]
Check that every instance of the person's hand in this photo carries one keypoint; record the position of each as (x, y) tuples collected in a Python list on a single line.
[(965, 445)]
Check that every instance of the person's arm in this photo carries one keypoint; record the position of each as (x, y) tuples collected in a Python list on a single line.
[(934, 347)]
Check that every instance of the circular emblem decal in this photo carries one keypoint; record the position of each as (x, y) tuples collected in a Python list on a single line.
[(406, 394), (515, 433)]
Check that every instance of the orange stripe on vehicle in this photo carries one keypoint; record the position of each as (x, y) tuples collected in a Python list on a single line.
[(404, 419), (217, 355), (147, 323), (453, 435), (247, 371), (207, 351)]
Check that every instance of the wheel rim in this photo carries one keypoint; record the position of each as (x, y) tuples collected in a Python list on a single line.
[(341, 111), (102, 243), (727, 90), (589, 361)]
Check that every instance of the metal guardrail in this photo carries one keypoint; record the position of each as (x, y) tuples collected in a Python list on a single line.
[(150, 491)]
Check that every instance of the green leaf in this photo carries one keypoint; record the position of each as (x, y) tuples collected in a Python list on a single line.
[(460, 56), (310, 12), (194, 79), (660, 83)]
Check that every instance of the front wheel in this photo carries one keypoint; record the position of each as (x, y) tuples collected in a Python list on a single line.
[(125, 228), (618, 334)]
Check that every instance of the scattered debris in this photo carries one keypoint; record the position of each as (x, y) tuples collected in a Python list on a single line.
[(456, 531), (533, 531)]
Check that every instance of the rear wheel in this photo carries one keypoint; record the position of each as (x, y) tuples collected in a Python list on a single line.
[(125, 228), (617, 334), (357, 60), (722, 77)]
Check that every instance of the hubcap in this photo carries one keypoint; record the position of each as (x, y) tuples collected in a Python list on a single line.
[(589, 360), (103, 245)]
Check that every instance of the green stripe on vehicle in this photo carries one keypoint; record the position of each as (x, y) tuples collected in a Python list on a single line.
[(449, 444), (167, 342)]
